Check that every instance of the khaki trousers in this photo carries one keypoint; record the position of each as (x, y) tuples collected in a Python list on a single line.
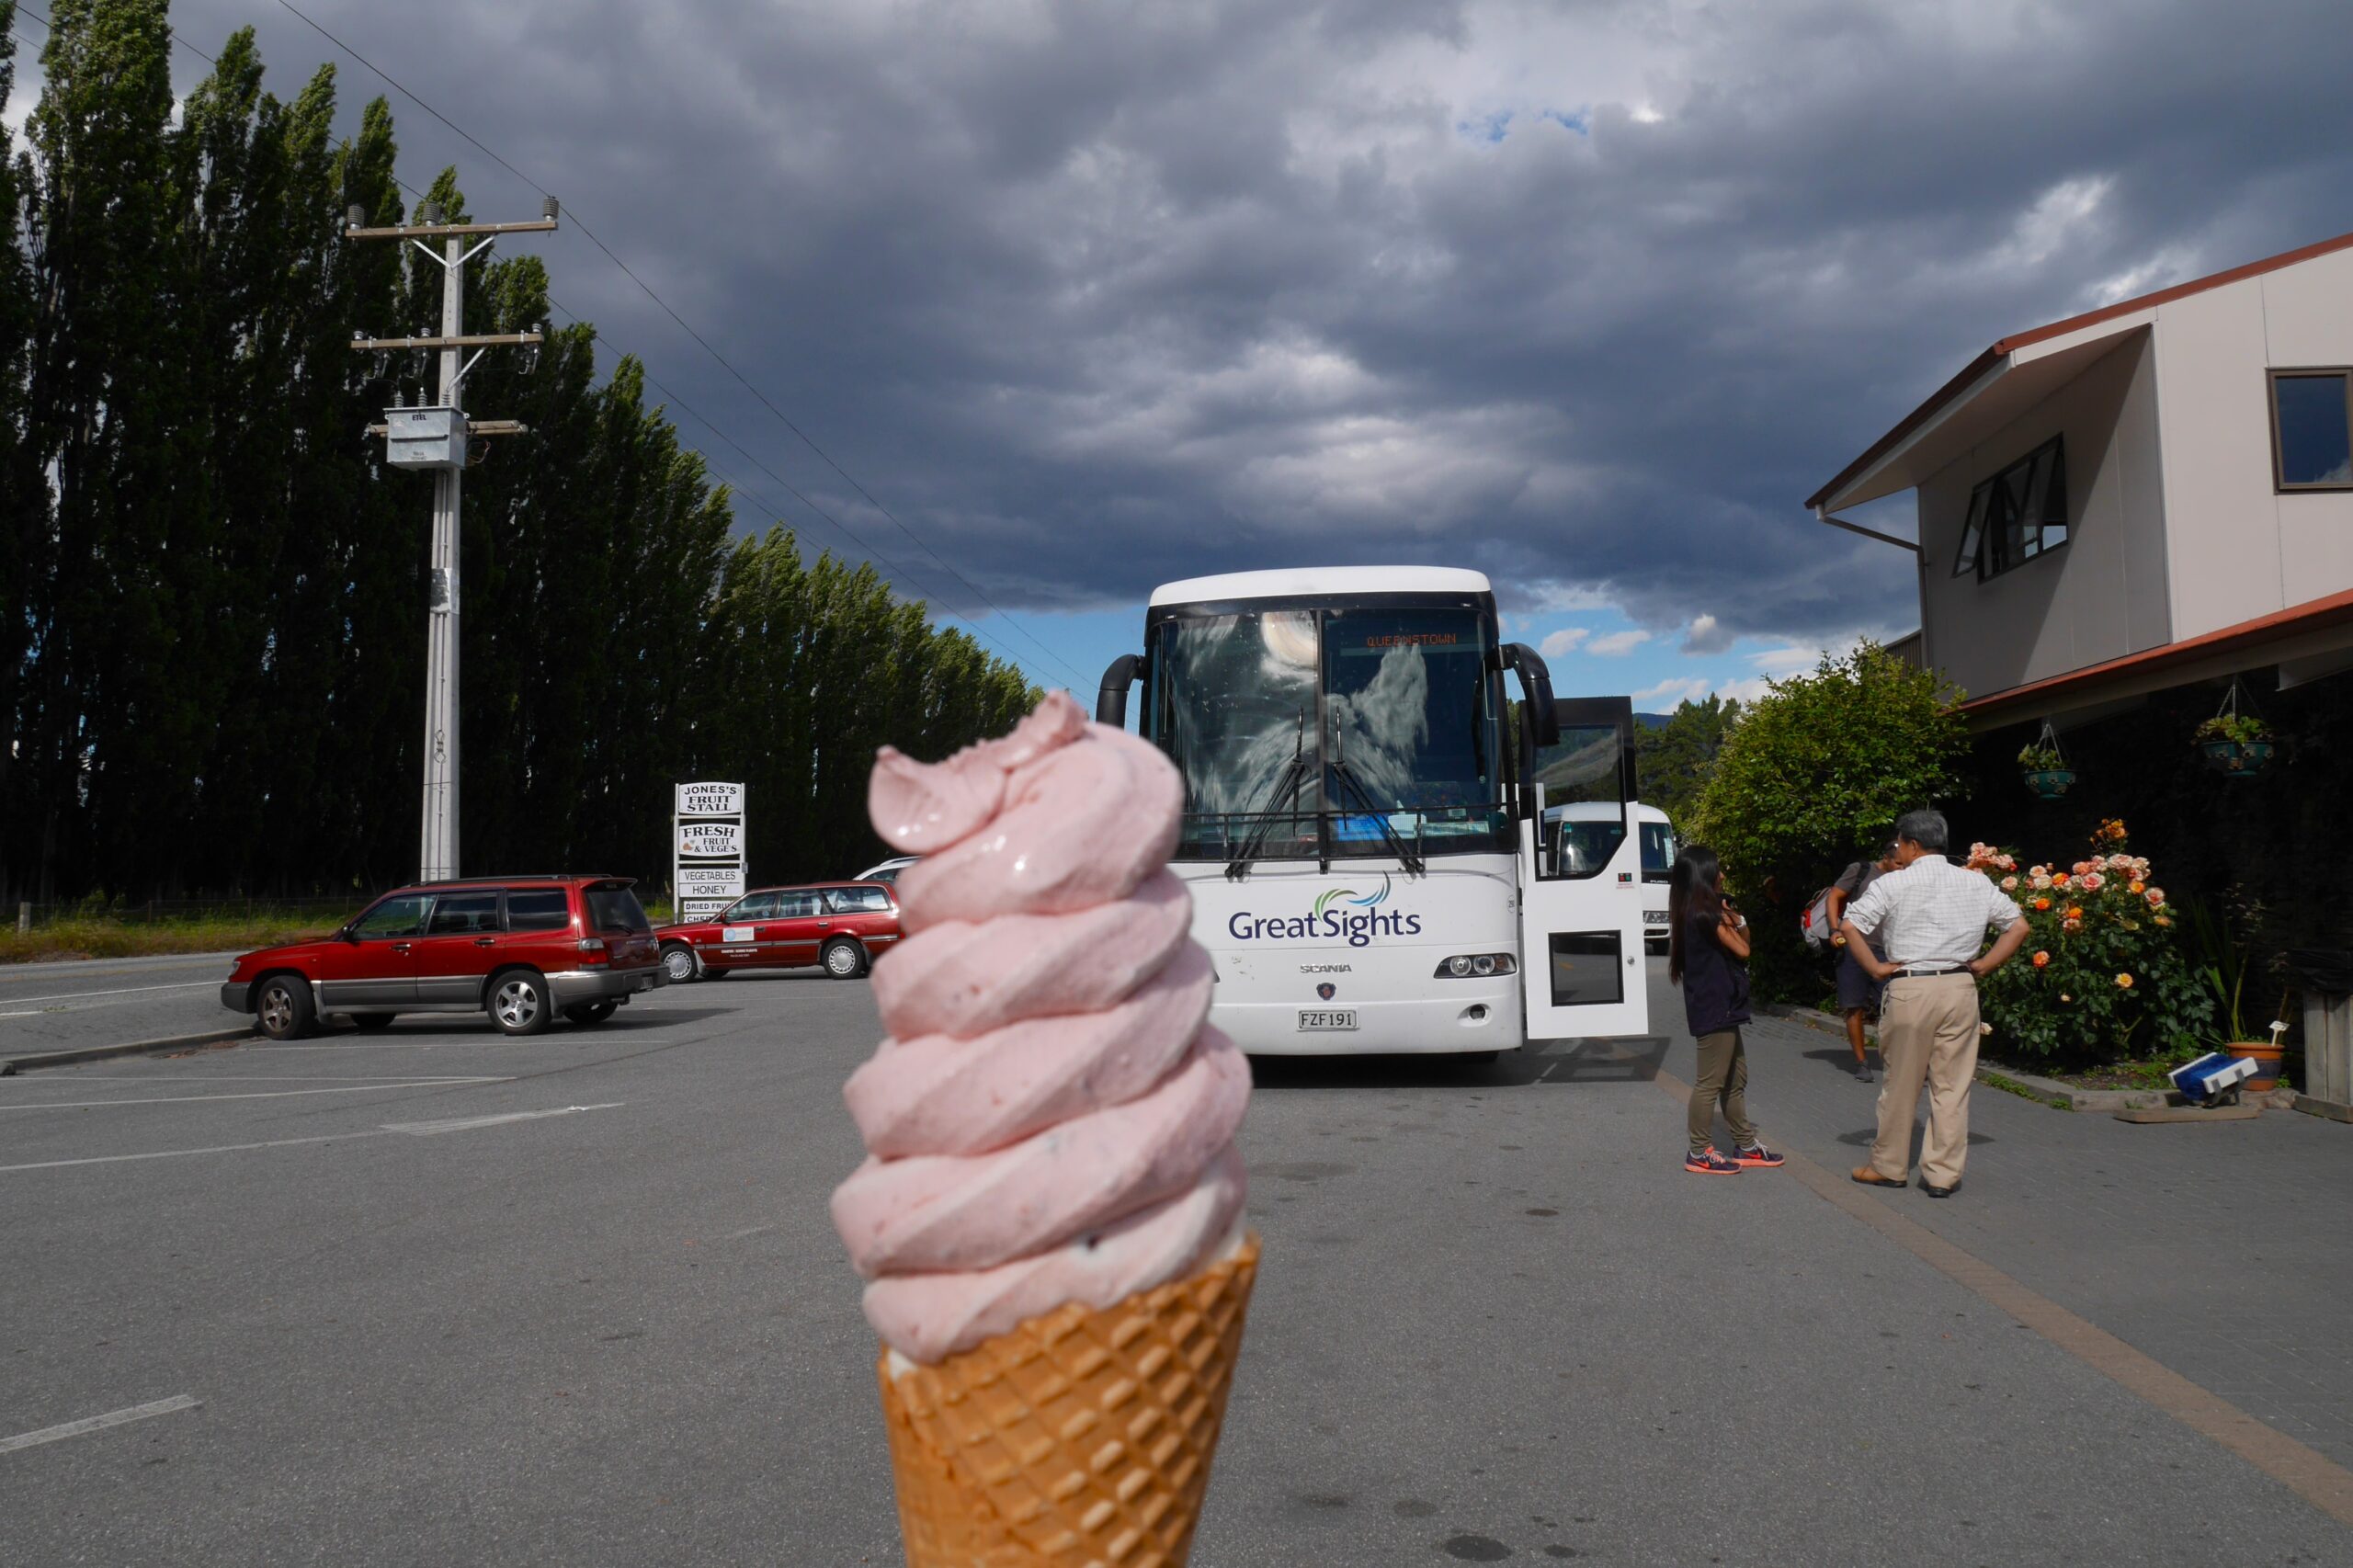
[(1723, 1079), (1927, 1028)]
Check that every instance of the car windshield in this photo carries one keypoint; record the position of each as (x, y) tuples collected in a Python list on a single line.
[(1302, 733)]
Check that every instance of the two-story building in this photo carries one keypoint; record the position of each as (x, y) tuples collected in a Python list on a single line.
[(2156, 493), (2127, 520)]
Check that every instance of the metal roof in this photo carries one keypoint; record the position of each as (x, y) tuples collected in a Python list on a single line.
[(1967, 381)]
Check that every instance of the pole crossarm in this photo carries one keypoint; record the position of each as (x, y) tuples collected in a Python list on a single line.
[(463, 340), (473, 427), (448, 230)]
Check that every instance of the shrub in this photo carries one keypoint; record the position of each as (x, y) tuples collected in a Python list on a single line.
[(2239, 729), (2102, 975), (2040, 758), (1815, 772)]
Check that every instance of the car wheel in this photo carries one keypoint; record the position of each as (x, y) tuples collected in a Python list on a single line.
[(283, 1007), (370, 1023), (519, 1003), (845, 959), (591, 1012), (678, 962)]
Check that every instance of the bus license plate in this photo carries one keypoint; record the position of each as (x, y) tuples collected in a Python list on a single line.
[(1345, 1018)]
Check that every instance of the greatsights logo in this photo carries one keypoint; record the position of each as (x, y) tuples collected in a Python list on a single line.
[(1338, 914)]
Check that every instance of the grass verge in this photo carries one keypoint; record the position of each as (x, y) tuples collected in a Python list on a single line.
[(99, 938), (1994, 1080)]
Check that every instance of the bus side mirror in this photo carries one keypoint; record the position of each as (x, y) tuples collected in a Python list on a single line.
[(1542, 723), (1111, 701)]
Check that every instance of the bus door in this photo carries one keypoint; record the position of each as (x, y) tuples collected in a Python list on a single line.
[(1581, 880)]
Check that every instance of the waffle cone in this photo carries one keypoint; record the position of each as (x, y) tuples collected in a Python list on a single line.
[(1081, 1438)]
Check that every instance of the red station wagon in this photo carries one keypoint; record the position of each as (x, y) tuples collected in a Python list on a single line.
[(841, 926), (522, 949)]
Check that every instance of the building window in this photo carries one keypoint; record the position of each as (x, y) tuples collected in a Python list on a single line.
[(2312, 430), (2019, 514)]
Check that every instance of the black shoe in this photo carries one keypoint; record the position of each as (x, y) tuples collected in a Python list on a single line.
[(1939, 1191), (1863, 1070)]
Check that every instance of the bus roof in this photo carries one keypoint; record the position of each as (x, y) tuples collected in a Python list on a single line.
[(1601, 811), (1321, 582)]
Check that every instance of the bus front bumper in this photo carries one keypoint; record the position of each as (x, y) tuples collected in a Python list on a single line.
[(1482, 1014)]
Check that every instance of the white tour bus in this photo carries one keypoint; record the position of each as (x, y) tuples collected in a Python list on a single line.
[(1588, 832), (1362, 809)]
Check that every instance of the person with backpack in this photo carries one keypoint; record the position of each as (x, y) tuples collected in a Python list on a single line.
[(1859, 994), (1707, 953)]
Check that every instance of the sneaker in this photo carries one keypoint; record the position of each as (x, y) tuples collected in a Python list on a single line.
[(1863, 1070), (1757, 1156), (1707, 1162)]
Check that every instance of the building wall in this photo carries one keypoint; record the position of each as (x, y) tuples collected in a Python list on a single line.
[(2238, 549), (2100, 597)]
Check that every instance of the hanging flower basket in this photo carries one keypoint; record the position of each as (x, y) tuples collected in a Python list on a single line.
[(2237, 745), (2045, 769), (2238, 759)]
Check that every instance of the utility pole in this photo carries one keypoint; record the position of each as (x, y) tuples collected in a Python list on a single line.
[(435, 437)]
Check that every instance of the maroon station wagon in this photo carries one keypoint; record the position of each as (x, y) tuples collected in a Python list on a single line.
[(520, 949), (839, 925)]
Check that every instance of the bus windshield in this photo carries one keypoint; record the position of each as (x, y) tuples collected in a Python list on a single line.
[(1332, 733)]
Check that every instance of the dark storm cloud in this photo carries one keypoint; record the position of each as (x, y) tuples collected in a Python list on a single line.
[(1590, 296)]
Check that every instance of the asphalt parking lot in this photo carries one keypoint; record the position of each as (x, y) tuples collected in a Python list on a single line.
[(439, 1296)]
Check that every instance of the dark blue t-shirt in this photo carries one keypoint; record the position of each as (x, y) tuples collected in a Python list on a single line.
[(1715, 984)]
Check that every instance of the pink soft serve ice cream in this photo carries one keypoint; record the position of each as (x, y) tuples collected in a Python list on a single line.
[(1051, 1119)]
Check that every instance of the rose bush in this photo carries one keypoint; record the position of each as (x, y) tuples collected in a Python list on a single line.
[(2105, 977)]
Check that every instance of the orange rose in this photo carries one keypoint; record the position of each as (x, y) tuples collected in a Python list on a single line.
[(2042, 903), (2124, 983), (2075, 912), (2136, 887), (2058, 879), (2042, 961)]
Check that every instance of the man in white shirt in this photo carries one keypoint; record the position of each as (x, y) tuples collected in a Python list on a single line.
[(1931, 915)]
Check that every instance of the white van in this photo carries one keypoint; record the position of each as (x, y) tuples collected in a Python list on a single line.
[(1588, 834)]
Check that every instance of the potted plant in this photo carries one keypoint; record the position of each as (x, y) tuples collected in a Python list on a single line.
[(2238, 745), (2222, 966), (2045, 770)]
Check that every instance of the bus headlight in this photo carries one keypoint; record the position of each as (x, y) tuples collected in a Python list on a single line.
[(1477, 966)]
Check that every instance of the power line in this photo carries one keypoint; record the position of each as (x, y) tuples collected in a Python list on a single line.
[(687, 328), (765, 504), (843, 529)]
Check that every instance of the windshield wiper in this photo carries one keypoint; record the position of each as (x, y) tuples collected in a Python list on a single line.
[(1287, 785), (1347, 775)]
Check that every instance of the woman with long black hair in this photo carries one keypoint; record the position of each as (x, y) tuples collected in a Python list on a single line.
[(1707, 951)]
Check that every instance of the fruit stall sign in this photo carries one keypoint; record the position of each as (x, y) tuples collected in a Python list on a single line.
[(711, 840), (710, 801)]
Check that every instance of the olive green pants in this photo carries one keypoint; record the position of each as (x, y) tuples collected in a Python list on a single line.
[(1723, 1079)]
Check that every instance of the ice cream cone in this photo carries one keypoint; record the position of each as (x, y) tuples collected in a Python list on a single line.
[(1081, 1438)]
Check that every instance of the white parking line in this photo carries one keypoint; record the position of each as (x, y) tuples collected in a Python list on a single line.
[(270, 1095), (291, 1078), (121, 991), (466, 1123), (414, 1128), (98, 1423)]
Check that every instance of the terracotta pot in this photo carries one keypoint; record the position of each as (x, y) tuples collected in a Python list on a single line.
[(2266, 1058)]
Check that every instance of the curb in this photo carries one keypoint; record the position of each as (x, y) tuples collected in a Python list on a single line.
[(2328, 1109), (11, 1065), (2059, 1095)]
